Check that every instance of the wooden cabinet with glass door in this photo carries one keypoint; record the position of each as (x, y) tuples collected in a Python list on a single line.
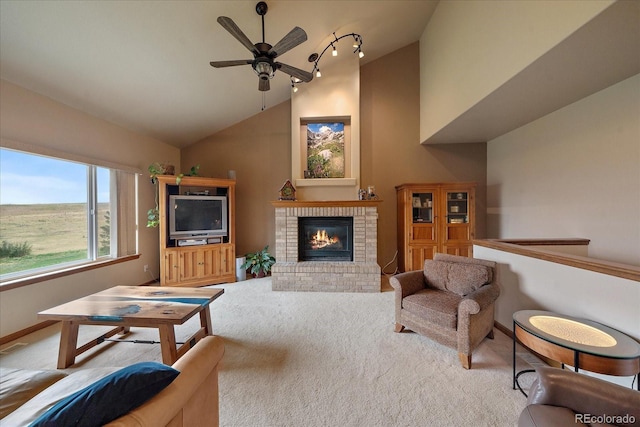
[(438, 217)]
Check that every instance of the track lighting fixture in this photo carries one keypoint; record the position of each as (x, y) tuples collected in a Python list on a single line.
[(294, 82), (315, 58)]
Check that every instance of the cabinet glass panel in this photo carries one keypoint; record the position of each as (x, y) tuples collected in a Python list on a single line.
[(457, 207), (422, 207)]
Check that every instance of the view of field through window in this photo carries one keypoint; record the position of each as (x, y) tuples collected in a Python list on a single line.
[(43, 211)]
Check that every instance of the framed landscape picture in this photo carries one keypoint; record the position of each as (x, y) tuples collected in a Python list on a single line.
[(325, 150)]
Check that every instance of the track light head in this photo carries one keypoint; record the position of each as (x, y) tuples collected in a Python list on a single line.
[(315, 57)]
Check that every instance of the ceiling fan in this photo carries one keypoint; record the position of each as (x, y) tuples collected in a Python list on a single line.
[(264, 55)]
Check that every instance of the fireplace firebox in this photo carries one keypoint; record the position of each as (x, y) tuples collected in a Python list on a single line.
[(325, 238)]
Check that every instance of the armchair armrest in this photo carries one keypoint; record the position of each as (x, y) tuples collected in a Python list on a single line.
[(405, 284), (583, 394), (191, 399), (479, 300), (408, 283)]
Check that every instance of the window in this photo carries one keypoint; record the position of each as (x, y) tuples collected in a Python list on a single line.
[(57, 213)]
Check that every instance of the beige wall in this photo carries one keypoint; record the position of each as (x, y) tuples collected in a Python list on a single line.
[(391, 150), (573, 173), (259, 149), (335, 94), (491, 43), (29, 118), (528, 283)]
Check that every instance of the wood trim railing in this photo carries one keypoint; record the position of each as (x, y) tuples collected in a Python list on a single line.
[(517, 246)]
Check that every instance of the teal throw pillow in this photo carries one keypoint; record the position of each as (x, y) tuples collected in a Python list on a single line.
[(110, 397)]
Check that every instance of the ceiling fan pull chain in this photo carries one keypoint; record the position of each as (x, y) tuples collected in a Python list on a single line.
[(263, 101)]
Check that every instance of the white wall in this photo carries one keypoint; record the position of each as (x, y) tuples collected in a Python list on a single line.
[(528, 283), (30, 118), (471, 48), (573, 173)]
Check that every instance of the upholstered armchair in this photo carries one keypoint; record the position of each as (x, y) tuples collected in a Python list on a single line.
[(451, 301)]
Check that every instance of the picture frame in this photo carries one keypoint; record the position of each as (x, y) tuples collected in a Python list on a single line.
[(325, 149)]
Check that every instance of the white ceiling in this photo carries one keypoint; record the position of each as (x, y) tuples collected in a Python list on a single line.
[(144, 65)]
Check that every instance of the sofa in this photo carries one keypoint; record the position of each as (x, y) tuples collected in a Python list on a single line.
[(560, 397), (190, 398), (451, 301)]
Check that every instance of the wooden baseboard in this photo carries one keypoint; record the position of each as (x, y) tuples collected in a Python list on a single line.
[(33, 328), (508, 332), (21, 333), (503, 329)]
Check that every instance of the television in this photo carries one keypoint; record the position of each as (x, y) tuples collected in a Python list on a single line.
[(197, 216)]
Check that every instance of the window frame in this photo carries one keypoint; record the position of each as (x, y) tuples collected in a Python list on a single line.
[(94, 259)]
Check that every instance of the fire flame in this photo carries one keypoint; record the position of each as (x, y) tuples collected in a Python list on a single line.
[(321, 240)]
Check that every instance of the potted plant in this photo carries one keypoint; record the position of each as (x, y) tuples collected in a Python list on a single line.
[(259, 263), (155, 169), (192, 172)]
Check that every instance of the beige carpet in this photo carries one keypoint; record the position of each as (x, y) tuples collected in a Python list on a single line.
[(321, 359)]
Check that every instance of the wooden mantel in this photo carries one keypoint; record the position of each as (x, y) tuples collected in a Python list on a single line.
[(323, 203)]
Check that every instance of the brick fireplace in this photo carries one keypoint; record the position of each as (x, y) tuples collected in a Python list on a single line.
[(295, 271)]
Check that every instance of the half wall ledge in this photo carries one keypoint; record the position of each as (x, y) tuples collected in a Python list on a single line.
[(528, 247)]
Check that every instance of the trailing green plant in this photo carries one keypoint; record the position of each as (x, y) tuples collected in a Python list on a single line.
[(155, 169), (192, 172), (259, 263), (14, 250), (153, 217)]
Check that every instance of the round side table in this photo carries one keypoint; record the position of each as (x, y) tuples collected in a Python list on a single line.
[(582, 343)]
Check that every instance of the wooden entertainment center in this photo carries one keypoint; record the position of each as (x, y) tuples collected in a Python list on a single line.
[(197, 264)]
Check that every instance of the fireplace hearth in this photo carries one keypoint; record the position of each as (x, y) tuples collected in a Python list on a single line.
[(313, 257), (325, 239)]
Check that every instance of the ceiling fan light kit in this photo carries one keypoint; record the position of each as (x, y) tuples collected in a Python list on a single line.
[(264, 54)]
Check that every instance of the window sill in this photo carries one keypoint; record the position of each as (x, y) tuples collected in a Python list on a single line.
[(30, 280)]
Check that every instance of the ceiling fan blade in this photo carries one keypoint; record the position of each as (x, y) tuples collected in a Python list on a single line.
[(263, 85), (220, 64), (288, 42), (236, 32), (305, 76)]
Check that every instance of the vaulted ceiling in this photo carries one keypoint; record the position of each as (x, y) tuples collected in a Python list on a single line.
[(144, 65)]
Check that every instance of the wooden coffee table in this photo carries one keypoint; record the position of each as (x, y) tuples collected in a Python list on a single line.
[(142, 306)]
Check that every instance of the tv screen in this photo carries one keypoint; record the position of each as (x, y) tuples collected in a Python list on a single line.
[(197, 216)]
